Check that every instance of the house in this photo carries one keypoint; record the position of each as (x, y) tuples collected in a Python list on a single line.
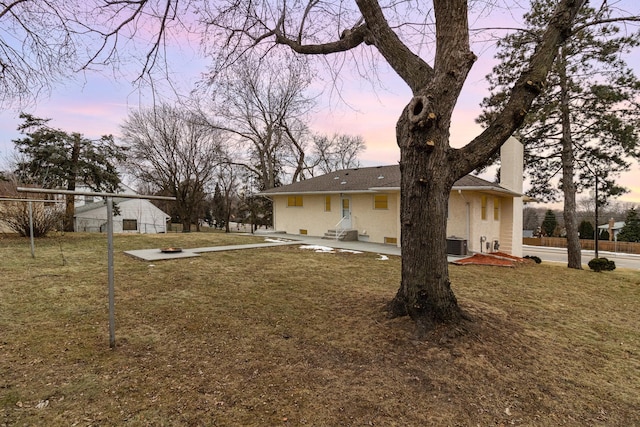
[(363, 203), (134, 215), (613, 227)]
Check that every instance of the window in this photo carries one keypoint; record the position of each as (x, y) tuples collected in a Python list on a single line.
[(380, 201), (327, 203), (483, 208), (294, 201), (129, 224), (496, 209)]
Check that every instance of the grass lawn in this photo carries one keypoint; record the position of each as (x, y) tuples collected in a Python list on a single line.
[(287, 336)]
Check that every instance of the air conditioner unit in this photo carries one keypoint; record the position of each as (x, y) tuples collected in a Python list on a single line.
[(456, 246)]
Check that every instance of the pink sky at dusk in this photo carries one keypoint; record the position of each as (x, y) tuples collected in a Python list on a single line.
[(99, 106)]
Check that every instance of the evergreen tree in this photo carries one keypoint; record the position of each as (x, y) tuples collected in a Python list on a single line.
[(218, 210), (631, 230), (584, 123), (53, 158), (586, 230), (549, 223)]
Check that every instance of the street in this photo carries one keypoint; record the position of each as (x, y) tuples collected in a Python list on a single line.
[(550, 254)]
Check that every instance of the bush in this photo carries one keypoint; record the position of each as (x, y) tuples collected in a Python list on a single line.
[(534, 258), (46, 217), (602, 264)]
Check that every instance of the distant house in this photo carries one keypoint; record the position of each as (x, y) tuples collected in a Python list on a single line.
[(613, 228), (363, 203), (135, 215)]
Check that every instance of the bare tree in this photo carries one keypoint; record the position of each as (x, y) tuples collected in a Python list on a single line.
[(35, 49), (176, 153), (340, 151), (43, 43), (263, 104), (429, 165), (532, 218), (228, 179)]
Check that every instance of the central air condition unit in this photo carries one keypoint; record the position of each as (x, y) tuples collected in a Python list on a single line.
[(456, 246)]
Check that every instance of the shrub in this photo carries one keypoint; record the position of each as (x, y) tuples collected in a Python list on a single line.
[(602, 264), (46, 217), (534, 258)]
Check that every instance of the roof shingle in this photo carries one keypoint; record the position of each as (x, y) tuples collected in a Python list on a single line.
[(373, 178)]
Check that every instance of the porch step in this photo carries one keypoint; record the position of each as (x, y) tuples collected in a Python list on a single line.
[(344, 235)]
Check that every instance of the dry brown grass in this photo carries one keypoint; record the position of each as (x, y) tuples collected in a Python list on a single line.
[(285, 336)]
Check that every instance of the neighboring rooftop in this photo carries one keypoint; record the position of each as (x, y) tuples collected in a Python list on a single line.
[(616, 226)]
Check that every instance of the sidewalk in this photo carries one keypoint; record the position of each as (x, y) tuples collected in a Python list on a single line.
[(157, 254), (359, 246), (271, 240)]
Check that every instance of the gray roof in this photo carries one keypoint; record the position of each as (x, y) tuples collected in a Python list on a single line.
[(616, 226), (97, 204), (374, 179)]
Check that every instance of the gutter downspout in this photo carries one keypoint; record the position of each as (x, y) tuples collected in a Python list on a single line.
[(468, 225)]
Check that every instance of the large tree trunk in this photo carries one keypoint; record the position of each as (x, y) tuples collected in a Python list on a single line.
[(574, 251), (69, 212), (186, 226), (427, 176), (425, 291)]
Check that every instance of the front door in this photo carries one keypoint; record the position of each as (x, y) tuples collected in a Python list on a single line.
[(346, 212)]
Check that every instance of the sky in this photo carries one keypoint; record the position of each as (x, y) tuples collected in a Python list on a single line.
[(97, 104)]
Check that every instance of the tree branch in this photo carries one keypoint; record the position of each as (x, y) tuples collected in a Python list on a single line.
[(10, 6), (349, 40), (409, 66)]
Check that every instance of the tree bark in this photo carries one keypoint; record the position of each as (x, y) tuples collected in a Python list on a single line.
[(426, 180), (425, 290), (574, 251), (427, 177), (71, 186)]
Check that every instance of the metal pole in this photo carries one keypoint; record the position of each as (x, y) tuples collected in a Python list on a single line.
[(33, 249), (112, 321), (597, 229), (109, 200)]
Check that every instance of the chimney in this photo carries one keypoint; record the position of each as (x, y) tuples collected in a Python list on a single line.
[(512, 165), (511, 178), (612, 223)]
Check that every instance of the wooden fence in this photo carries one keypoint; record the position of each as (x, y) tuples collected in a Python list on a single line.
[(603, 245)]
